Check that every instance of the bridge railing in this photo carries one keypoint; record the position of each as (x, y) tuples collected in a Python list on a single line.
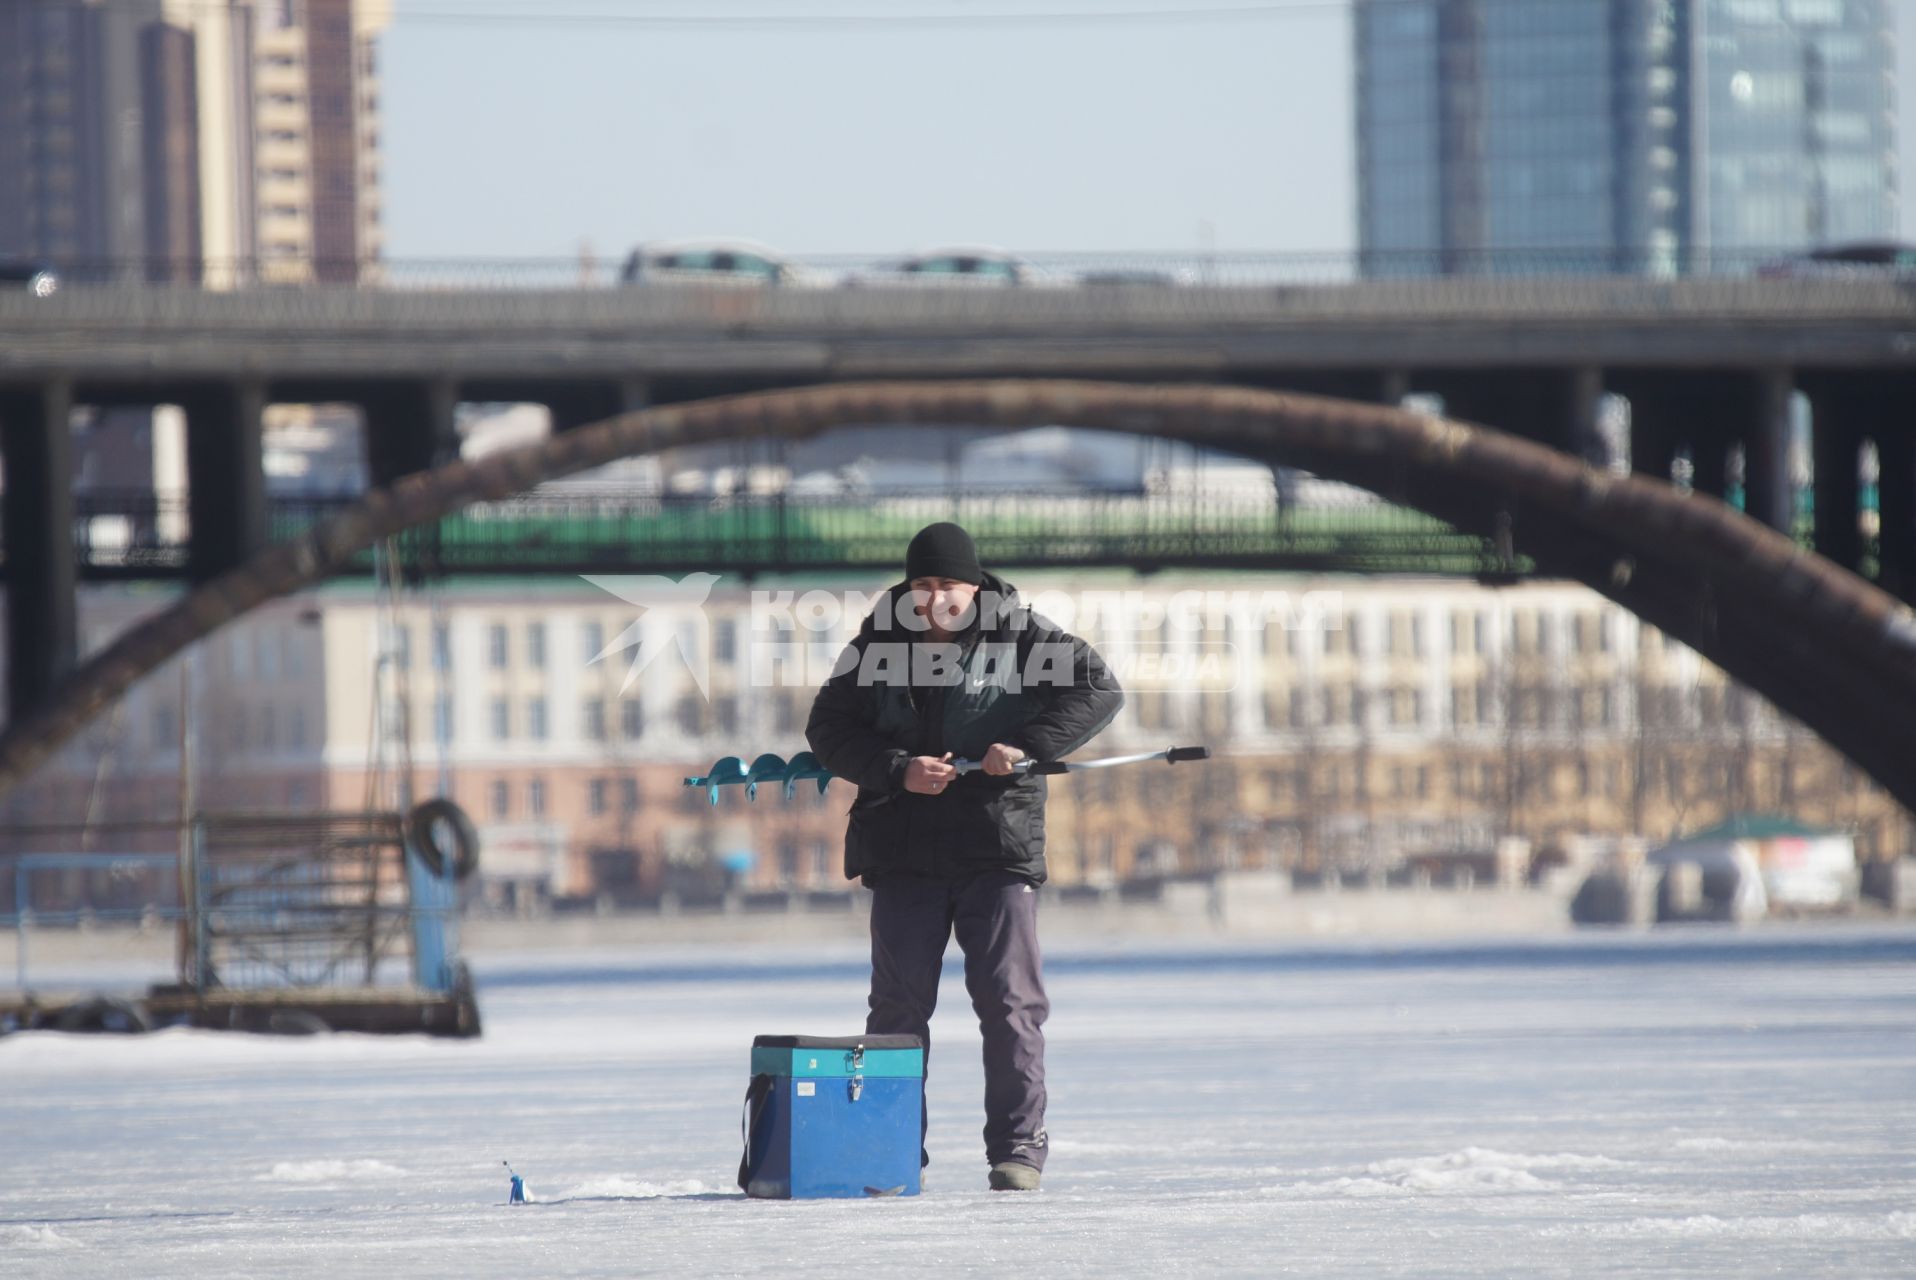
[(132, 534), (1037, 269), (787, 531)]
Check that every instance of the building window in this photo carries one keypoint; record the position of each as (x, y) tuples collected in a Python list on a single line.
[(1406, 639), (595, 797), (591, 642), (501, 719), (441, 647), (629, 794), (536, 644), (536, 797), (691, 716), (631, 719), (594, 719), (402, 647), (725, 713), (725, 640), (536, 719), (442, 718), (501, 799), (498, 646)]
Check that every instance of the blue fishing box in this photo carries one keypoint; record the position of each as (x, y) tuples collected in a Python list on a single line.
[(833, 1116)]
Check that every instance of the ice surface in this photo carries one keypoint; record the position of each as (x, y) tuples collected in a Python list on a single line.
[(1699, 1103)]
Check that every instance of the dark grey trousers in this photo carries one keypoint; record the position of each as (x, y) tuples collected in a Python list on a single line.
[(995, 916)]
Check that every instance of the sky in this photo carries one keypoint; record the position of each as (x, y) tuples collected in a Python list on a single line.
[(537, 137)]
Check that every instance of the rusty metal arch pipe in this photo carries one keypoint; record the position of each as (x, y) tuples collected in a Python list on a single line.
[(1821, 643)]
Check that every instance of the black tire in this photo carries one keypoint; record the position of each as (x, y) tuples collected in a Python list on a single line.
[(422, 833), (465, 1002)]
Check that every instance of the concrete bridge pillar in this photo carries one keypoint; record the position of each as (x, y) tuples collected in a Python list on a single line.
[(36, 444), (409, 427), (225, 476), (1769, 495)]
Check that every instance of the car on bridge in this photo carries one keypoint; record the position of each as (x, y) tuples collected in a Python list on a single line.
[(722, 262), (39, 279), (972, 266), (1868, 259)]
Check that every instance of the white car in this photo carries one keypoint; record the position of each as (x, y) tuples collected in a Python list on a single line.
[(722, 262)]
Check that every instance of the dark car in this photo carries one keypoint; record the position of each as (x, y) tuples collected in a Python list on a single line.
[(39, 280), (1865, 259)]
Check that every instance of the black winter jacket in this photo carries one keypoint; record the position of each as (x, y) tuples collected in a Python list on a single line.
[(1026, 683)]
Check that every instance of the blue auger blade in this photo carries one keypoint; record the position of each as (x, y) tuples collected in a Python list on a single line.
[(723, 771), (769, 767), (805, 765)]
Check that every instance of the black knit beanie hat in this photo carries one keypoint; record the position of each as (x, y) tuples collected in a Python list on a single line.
[(943, 550)]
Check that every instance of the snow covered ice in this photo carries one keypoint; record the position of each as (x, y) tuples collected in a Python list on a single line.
[(1671, 1104)]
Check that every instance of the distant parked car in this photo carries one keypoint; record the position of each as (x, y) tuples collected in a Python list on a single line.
[(1134, 276), (1861, 260), (740, 262), (40, 280), (965, 265)]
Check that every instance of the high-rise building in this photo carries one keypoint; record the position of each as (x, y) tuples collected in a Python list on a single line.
[(218, 37), (213, 141), (1655, 136), (96, 124), (318, 131)]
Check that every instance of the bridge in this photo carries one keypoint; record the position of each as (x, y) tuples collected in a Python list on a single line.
[(136, 536), (1710, 367)]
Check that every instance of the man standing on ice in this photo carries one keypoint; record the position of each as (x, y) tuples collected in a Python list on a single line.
[(951, 665)]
